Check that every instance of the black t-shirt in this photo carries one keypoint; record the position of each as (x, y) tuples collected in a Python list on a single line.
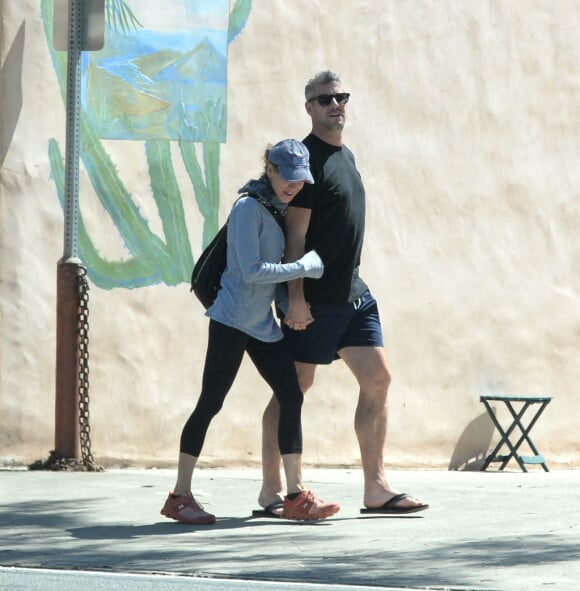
[(337, 222)]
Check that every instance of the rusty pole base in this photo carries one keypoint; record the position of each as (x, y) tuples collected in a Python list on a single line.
[(67, 429), (56, 463)]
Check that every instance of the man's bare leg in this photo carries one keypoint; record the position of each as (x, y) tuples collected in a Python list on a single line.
[(273, 489), (369, 366)]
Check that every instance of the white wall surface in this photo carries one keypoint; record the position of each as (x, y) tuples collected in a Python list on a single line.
[(465, 122)]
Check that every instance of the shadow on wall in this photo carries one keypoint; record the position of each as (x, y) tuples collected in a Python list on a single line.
[(11, 73), (473, 444)]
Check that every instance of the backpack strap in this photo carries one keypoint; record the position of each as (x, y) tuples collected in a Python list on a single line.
[(276, 213)]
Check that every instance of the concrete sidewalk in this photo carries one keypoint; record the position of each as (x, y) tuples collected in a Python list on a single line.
[(501, 531)]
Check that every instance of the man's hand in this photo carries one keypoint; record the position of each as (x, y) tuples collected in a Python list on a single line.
[(299, 316)]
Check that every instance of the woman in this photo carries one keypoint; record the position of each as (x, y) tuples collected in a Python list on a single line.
[(241, 319)]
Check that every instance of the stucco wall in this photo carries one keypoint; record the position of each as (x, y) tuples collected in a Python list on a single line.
[(464, 120)]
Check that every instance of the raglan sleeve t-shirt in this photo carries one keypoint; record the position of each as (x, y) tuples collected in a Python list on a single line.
[(337, 222)]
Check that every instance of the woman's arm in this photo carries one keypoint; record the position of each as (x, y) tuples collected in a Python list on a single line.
[(243, 236)]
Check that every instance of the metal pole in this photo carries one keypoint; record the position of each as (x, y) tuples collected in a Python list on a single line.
[(73, 100), (67, 438)]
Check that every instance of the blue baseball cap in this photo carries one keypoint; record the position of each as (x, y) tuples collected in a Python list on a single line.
[(293, 161)]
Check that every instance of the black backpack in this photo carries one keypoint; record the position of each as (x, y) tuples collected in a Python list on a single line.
[(209, 268)]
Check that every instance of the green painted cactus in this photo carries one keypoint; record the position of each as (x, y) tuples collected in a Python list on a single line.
[(152, 259)]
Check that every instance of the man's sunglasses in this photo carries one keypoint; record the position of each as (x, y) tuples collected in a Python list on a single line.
[(325, 99)]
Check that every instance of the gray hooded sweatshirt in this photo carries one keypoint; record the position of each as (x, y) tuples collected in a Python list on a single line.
[(255, 249)]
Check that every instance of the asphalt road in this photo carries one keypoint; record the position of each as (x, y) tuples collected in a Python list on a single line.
[(483, 531)]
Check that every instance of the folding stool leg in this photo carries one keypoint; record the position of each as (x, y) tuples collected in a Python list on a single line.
[(526, 430), (515, 423), (504, 440)]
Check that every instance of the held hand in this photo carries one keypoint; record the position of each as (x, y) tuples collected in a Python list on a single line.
[(299, 316)]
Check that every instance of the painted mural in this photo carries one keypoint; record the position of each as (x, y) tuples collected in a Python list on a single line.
[(161, 78), (163, 75)]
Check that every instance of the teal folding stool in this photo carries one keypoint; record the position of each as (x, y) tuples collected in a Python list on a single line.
[(518, 428)]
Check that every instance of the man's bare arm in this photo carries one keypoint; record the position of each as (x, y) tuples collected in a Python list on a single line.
[(297, 220)]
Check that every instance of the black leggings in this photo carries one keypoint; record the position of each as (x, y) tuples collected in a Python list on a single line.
[(225, 350)]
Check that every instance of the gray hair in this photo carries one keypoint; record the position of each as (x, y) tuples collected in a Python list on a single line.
[(321, 78)]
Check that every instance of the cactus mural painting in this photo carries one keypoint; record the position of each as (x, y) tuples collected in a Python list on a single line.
[(156, 86)]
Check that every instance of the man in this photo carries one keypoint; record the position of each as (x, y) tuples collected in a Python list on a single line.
[(334, 317)]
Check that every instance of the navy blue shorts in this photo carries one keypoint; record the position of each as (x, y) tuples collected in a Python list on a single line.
[(336, 326)]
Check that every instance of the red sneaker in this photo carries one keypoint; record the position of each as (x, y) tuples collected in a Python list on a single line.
[(186, 509), (307, 506)]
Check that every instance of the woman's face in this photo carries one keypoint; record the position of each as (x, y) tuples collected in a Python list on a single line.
[(285, 191)]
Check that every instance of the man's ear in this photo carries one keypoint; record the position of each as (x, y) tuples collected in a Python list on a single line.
[(308, 107)]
